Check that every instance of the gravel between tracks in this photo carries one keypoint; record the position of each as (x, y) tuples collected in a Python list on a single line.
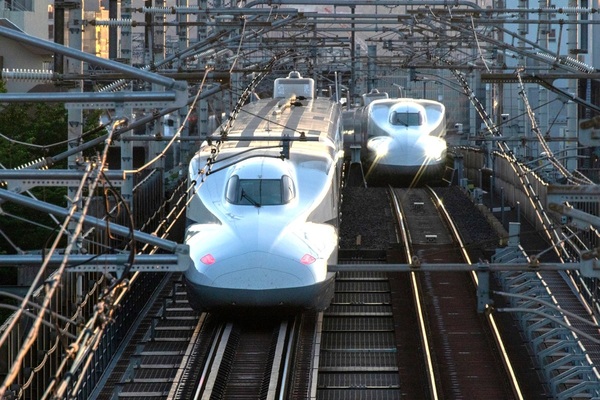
[(366, 213), (365, 219), (477, 234)]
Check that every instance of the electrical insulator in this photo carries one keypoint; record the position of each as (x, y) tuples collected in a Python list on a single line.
[(570, 10), (27, 74), (578, 64), (158, 10), (170, 10), (546, 56), (117, 85), (39, 161), (186, 10), (114, 22)]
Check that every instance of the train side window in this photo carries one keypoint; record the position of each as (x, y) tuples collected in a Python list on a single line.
[(233, 190), (288, 191)]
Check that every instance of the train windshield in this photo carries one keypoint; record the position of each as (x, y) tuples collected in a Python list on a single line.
[(406, 118), (260, 192)]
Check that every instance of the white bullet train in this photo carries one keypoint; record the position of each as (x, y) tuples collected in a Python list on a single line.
[(263, 224), (402, 137)]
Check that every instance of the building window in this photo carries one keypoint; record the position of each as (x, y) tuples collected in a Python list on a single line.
[(583, 30), (51, 11), (19, 5), (51, 32)]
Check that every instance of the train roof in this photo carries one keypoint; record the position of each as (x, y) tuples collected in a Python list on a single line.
[(316, 119), (286, 116)]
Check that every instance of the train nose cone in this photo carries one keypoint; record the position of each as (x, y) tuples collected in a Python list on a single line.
[(258, 271)]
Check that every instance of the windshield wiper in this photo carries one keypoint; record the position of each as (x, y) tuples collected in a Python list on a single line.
[(250, 199)]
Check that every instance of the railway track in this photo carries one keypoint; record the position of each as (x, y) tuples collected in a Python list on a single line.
[(465, 348), (177, 353), (541, 375), (249, 360), (365, 345), (357, 353), (452, 350)]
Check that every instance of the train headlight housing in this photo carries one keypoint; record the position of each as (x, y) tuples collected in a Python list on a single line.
[(317, 241), (435, 150), (381, 150), (380, 146), (190, 234), (208, 259), (307, 259)]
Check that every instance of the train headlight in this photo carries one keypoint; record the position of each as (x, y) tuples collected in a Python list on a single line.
[(382, 150), (435, 150), (380, 145)]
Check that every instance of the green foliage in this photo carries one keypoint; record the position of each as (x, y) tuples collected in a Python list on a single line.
[(23, 125), (32, 131), (35, 124), (35, 130)]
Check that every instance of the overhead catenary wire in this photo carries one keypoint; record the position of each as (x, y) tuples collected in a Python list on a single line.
[(55, 144), (85, 358), (542, 141), (449, 10), (177, 134), (108, 308), (51, 286)]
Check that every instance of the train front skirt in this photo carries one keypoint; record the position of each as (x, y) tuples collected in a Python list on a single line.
[(316, 296)]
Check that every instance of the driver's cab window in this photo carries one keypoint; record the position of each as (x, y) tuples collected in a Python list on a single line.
[(260, 192), (406, 118)]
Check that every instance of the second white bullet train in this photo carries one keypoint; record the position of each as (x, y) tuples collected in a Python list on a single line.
[(263, 218), (402, 137)]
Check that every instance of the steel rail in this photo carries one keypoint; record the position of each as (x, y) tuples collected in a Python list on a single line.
[(432, 374), (223, 333), (209, 387), (515, 387)]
